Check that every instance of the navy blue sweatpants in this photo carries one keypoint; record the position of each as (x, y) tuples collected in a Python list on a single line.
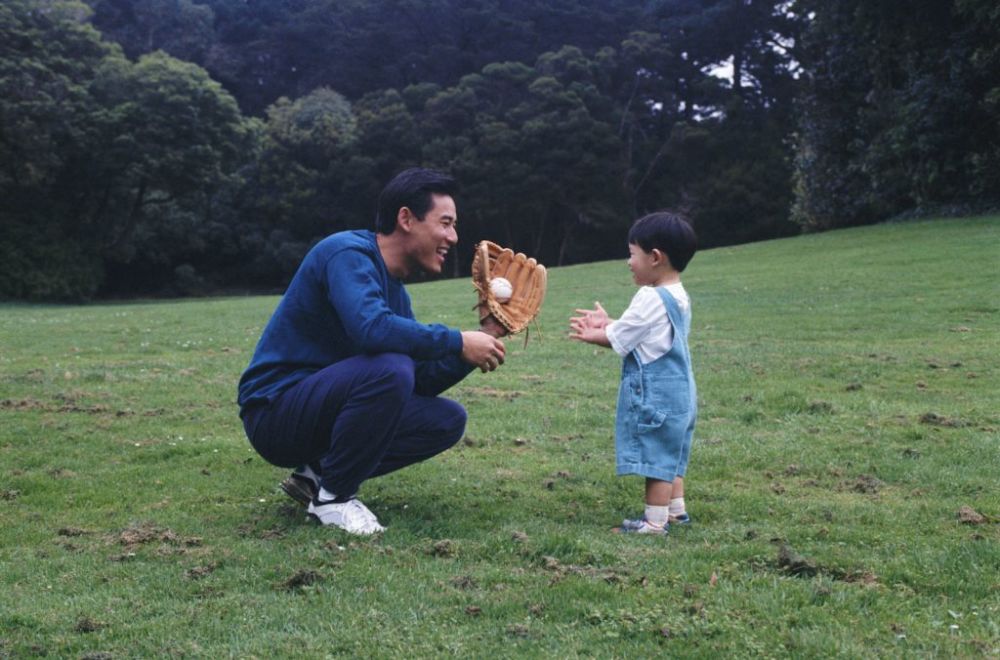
[(356, 419)]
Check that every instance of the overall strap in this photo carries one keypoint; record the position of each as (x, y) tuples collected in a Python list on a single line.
[(674, 313)]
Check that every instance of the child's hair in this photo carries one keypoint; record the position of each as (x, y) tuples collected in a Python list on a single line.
[(668, 232)]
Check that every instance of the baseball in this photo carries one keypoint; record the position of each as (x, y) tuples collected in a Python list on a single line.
[(501, 289)]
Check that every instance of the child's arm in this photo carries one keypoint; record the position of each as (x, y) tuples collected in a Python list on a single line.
[(590, 326)]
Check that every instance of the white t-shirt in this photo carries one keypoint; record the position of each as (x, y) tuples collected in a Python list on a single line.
[(645, 327)]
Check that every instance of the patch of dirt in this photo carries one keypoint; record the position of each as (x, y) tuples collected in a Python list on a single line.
[(21, 404), (969, 516), (865, 578), (144, 533), (9, 495), (85, 624), (301, 578), (71, 531), (867, 484), (611, 576), (444, 548), (933, 419), (494, 393), (95, 409), (198, 572), (473, 610), (820, 407), (464, 582), (793, 563)]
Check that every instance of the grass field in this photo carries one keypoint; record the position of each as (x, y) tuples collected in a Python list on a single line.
[(844, 478)]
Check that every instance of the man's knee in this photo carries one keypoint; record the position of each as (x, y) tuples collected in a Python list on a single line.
[(394, 371), (453, 419)]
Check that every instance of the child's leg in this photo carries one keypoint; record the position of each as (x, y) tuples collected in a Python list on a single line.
[(657, 509), (658, 495), (677, 509), (678, 488), (658, 492)]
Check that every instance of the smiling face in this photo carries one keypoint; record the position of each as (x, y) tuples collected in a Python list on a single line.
[(430, 239), (643, 265)]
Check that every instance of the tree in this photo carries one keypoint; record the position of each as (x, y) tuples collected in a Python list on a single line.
[(178, 27), (93, 148), (898, 110), (297, 181), (48, 54)]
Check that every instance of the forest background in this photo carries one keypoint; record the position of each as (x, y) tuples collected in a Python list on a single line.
[(188, 147)]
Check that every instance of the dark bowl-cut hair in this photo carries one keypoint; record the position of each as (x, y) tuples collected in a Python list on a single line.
[(413, 189), (668, 232)]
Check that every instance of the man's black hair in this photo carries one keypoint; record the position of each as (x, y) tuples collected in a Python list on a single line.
[(668, 232), (411, 188)]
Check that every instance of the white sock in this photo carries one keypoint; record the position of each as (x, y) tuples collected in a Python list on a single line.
[(657, 515), (325, 495), (677, 506)]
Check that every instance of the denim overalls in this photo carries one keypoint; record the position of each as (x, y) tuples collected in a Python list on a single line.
[(657, 406)]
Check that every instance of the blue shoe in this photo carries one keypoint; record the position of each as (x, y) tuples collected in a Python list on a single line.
[(683, 519), (643, 526)]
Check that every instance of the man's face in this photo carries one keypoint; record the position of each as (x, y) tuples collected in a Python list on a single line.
[(434, 236)]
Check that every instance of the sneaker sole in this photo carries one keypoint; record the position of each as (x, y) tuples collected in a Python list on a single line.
[(632, 532), (296, 490)]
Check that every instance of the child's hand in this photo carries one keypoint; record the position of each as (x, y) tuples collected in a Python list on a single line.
[(594, 318), (590, 326)]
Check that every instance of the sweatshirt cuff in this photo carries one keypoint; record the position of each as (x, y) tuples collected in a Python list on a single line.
[(455, 342)]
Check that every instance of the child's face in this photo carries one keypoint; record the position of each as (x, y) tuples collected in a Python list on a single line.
[(643, 266)]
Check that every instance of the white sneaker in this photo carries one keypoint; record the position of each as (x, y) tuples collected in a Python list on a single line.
[(351, 516), (643, 526)]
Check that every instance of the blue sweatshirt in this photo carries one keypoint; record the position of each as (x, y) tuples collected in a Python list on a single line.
[(343, 302)]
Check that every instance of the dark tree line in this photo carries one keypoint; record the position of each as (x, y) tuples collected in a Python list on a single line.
[(154, 147), (900, 110)]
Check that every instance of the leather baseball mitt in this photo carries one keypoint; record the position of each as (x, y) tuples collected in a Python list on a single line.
[(527, 280)]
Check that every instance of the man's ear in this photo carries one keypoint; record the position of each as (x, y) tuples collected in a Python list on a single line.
[(405, 218)]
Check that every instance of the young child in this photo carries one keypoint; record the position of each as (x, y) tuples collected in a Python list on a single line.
[(657, 402)]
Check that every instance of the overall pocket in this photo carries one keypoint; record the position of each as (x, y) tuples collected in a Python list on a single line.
[(671, 396)]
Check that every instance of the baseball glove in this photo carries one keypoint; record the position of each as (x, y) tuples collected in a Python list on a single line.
[(526, 276)]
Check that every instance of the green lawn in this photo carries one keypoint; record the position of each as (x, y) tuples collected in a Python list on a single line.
[(849, 409)]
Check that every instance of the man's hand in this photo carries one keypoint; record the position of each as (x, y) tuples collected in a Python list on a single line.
[(482, 350)]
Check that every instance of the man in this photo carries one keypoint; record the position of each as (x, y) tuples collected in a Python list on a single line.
[(344, 382)]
